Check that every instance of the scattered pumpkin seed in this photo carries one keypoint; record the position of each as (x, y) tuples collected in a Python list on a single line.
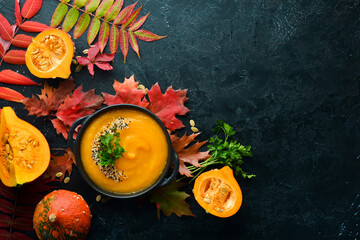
[(194, 129), (74, 62), (98, 198), (192, 123), (59, 174), (141, 87), (105, 199), (86, 51), (78, 68), (66, 180)]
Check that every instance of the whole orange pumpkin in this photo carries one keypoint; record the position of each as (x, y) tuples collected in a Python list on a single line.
[(61, 215)]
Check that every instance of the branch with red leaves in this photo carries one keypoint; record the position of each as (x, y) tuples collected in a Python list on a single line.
[(110, 23), (9, 37)]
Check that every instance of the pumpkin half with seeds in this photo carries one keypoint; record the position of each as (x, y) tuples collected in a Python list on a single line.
[(62, 214), (50, 54), (218, 192), (24, 151)]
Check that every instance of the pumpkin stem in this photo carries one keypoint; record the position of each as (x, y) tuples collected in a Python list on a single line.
[(52, 218)]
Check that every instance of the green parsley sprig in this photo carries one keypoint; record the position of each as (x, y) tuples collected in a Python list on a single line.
[(224, 152), (110, 149)]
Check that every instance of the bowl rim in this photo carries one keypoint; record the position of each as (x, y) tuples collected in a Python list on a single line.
[(85, 122)]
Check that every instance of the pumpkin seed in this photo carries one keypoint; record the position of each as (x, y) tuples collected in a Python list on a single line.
[(98, 198), (7, 148), (59, 174), (194, 129), (192, 123), (6, 137), (66, 180)]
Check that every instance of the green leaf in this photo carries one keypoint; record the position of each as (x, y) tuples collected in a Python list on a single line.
[(93, 30), (80, 3), (114, 10), (132, 18), (58, 15), (114, 39), (104, 6), (124, 43), (133, 43), (124, 14), (103, 35), (110, 148), (170, 200), (81, 25), (147, 36), (92, 5), (138, 23), (70, 19)]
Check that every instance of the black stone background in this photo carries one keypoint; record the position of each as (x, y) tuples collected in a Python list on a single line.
[(285, 74)]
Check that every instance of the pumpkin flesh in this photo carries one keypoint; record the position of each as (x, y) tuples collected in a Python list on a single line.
[(218, 192), (50, 54), (24, 151)]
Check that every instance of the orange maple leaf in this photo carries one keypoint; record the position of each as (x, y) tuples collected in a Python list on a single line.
[(61, 164), (188, 154), (127, 92)]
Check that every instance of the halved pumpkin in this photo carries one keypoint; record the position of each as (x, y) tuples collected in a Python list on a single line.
[(50, 54), (218, 192), (24, 151)]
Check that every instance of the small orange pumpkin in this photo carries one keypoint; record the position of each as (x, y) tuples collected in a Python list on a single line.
[(218, 192), (24, 151), (62, 215), (50, 54)]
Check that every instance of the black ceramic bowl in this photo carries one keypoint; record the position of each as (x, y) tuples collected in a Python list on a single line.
[(165, 178)]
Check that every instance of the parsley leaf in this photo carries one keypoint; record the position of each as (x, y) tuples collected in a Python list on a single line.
[(110, 149), (225, 152)]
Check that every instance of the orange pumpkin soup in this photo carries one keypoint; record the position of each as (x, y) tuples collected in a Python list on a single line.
[(145, 156)]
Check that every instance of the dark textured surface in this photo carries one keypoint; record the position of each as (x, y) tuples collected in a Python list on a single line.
[(285, 74)]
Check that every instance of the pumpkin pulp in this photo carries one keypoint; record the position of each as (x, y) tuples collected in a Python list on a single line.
[(24, 151), (218, 192), (145, 157), (50, 54)]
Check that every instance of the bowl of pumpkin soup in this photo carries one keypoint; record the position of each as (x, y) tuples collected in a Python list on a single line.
[(124, 151)]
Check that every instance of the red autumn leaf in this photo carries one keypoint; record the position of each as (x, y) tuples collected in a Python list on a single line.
[(25, 211), (103, 35), (124, 14), (138, 23), (10, 95), (61, 128), (11, 77), (167, 106), (83, 61), (104, 66), (62, 163), (133, 43), (30, 8), (170, 200), (188, 151), (104, 57), (132, 18), (23, 224), (7, 192), (93, 51), (147, 36), (124, 42), (6, 31), (6, 44), (17, 13), (30, 26), (5, 220), (2, 51), (91, 69), (15, 57), (22, 40), (5, 234), (80, 104), (50, 99), (6, 206), (126, 92)]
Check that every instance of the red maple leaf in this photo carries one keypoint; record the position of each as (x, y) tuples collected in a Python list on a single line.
[(101, 60), (127, 92), (50, 99), (78, 105), (167, 106), (186, 153), (61, 164)]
